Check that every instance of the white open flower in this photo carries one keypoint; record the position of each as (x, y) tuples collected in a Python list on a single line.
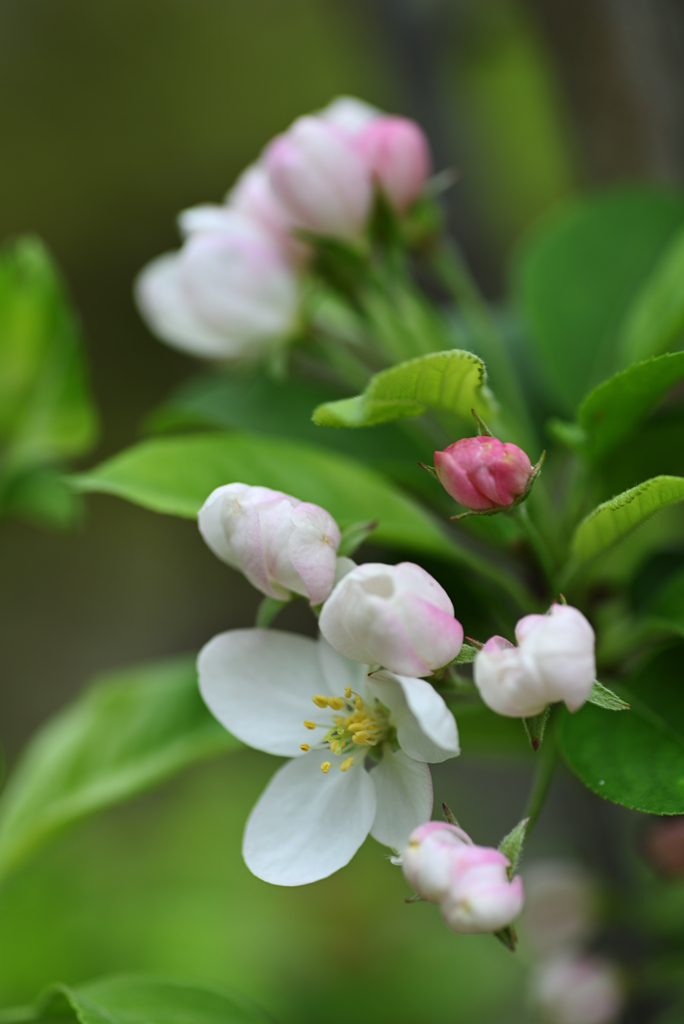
[(295, 697), (554, 661), (282, 545)]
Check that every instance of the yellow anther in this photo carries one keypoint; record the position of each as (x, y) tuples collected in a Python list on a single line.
[(338, 720), (361, 738), (348, 692), (335, 746), (304, 747), (359, 704), (310, 725), (325, 767), (346, 765), (336, 703), (320, 701)]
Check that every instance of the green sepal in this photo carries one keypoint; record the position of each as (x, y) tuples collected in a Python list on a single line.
[(267, 611), (535, 727), (512, 845), (466, 655), (602, 697), (449, 816), (508, 936), (354, 536)]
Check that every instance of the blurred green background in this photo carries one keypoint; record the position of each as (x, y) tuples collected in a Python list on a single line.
[(115, 115)]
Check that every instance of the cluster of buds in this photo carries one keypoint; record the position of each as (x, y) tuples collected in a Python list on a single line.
[(554, 661), (233, 290), (470, 883)]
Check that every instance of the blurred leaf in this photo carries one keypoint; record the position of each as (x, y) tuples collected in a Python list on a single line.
[(655, 319), (635, 759), (616, 518), (614, 409), (41, 495), (127, 733), (137, 999), (45, 407), (576, 277), (450, 381)]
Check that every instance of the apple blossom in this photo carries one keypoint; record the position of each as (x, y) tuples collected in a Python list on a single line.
[(560, 906), (253, 196), (270, 689), (349, 113), (429, 856), (398, 157), (320, 179), (582, 990), (282, 545), (229, 292), (554, 661), (396, 616), (481, 897), (482, 473)]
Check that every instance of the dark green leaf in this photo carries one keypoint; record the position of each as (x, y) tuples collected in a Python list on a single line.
[(604, 698), (577, 275), (451, 381), (655, 319), (615, 408), (137, 999), (635, 759), (616, 518), (128, 732)]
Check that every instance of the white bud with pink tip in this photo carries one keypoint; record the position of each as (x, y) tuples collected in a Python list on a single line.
[(282, 545), (398, 156)]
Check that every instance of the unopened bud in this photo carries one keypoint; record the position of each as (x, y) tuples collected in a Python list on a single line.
[(428, 859), (398, 157), (582, 990), (481, 897), (483, 473)]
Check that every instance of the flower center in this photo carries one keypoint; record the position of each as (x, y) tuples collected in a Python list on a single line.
[(361, 725)]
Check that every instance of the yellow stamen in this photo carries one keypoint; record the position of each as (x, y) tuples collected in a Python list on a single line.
[(310, 725), (336, 703), (361, 738), (334, 746), (304, 747), (346, 765), (325, 767), (348, 692), (359, 704), (320, 701)]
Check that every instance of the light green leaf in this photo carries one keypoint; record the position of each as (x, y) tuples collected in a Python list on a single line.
[(635, 759), (615, 408), (45, 408), (655, 319), (137, 999), (604, 698), (577, 275), (451, 381), (616, 518), (128, 732)]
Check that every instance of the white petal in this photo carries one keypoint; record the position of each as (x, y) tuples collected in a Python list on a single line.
[(339, 672), (403, 789), (307, 825), (210, 520), (426, 729), (259, 683)]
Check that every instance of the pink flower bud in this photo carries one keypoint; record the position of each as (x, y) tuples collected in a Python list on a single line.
[(584, 990), (349, 113), (253, 196), (282, 545), (481, 898), (483, 473), (227, 293), (396, 616), (428, 858), (554, 661), (319, 178), (398, 156)]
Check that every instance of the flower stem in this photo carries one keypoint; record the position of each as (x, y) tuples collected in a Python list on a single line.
[(545, 766), (538, 545)]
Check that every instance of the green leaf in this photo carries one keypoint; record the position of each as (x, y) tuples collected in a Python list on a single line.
[(655, 319), (451, 381), (616, 518), (45, 408), (128, 732), (353, 536), (635, 759), (576, 276), (613, 410), (137, 999), (604, 698)]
